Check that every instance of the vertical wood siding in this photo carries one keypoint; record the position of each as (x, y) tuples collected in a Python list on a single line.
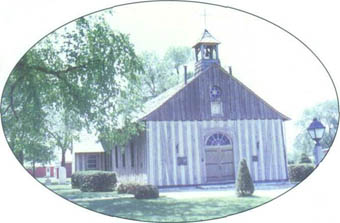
[(188, 137), (136, 172), (155, 159), (192, 102), (253, 149)]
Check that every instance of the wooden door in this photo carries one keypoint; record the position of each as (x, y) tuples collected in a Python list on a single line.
[(227, 164), (219, 164), (212, 164)]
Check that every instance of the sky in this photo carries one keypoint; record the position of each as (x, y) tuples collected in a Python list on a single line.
[(23, 23), (268, 60)]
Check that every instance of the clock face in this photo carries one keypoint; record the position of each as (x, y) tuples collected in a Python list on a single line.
[(215, 92)]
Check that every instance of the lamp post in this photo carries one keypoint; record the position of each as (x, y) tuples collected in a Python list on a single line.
[(316, 130)]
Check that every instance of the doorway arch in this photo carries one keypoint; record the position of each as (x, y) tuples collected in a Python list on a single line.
[(219, 158)]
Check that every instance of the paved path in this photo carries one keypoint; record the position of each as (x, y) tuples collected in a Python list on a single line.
[(209, 191), (263, 189)]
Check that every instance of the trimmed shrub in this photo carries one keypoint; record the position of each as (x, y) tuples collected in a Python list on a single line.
[(298, 172), (146, 192), (128, 188), (94, 181), (305, 158), (75, 179), (244, 183)]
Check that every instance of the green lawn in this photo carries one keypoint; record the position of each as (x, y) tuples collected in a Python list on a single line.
[(164, 209)]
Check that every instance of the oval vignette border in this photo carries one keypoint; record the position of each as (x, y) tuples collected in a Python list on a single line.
[(226, 7)]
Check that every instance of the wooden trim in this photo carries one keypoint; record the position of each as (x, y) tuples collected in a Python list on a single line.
[(191, 169), (266, 150), (284, 150), (152, 154), (173, 147), (281, 150), (261, 149), (159, 153), (275, 149), (181, 150), (254, 149)]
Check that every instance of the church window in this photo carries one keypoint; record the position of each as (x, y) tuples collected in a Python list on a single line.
[(216, 104), (215, 93), (218, 139)]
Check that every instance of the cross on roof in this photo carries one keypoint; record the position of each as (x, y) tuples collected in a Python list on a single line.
[(205, 18)]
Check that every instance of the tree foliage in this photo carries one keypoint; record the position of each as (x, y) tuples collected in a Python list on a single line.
[(84, 76), (326, 112), (157, 76), (304, 158), (178, 56), (244, 183), (159, 71)]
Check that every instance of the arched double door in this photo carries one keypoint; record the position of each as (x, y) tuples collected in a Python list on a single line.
[(219, 159)]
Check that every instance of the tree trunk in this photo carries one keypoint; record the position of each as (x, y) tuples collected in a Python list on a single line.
[(177, 70), (20, 157), (33, 168), (63, 152)]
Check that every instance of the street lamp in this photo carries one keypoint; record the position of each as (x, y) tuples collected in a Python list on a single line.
[(316, 130)]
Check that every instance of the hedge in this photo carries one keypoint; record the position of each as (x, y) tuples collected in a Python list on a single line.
[(146, 192), (128, 188), (94, 181), (75, 179), (298, 172)]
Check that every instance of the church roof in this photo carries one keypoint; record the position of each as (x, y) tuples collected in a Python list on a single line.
[(190, 101), (154, 103), (207, 39)]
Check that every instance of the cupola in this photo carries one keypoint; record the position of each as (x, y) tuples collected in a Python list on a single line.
[(206, 51)]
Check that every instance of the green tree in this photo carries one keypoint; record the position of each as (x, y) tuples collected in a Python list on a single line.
[(63, 130), (36, 152), (244, 183), (86, 76), (157, 76), (22, 109), (328, 113), (304, 158), (178, 56)]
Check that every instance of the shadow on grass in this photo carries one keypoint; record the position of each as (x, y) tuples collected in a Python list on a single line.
[(72, 194), (163, 209), (173, 210)]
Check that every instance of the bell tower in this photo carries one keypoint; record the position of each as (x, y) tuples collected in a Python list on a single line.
[(206, 52)]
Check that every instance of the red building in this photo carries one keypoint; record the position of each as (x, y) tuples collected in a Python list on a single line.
[(44, 171)]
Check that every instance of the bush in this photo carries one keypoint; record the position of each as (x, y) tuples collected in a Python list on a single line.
[(128, 188), (75, 179), (305, 158), (94, 181), (299, 172), (244, 183), (146, 192)]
